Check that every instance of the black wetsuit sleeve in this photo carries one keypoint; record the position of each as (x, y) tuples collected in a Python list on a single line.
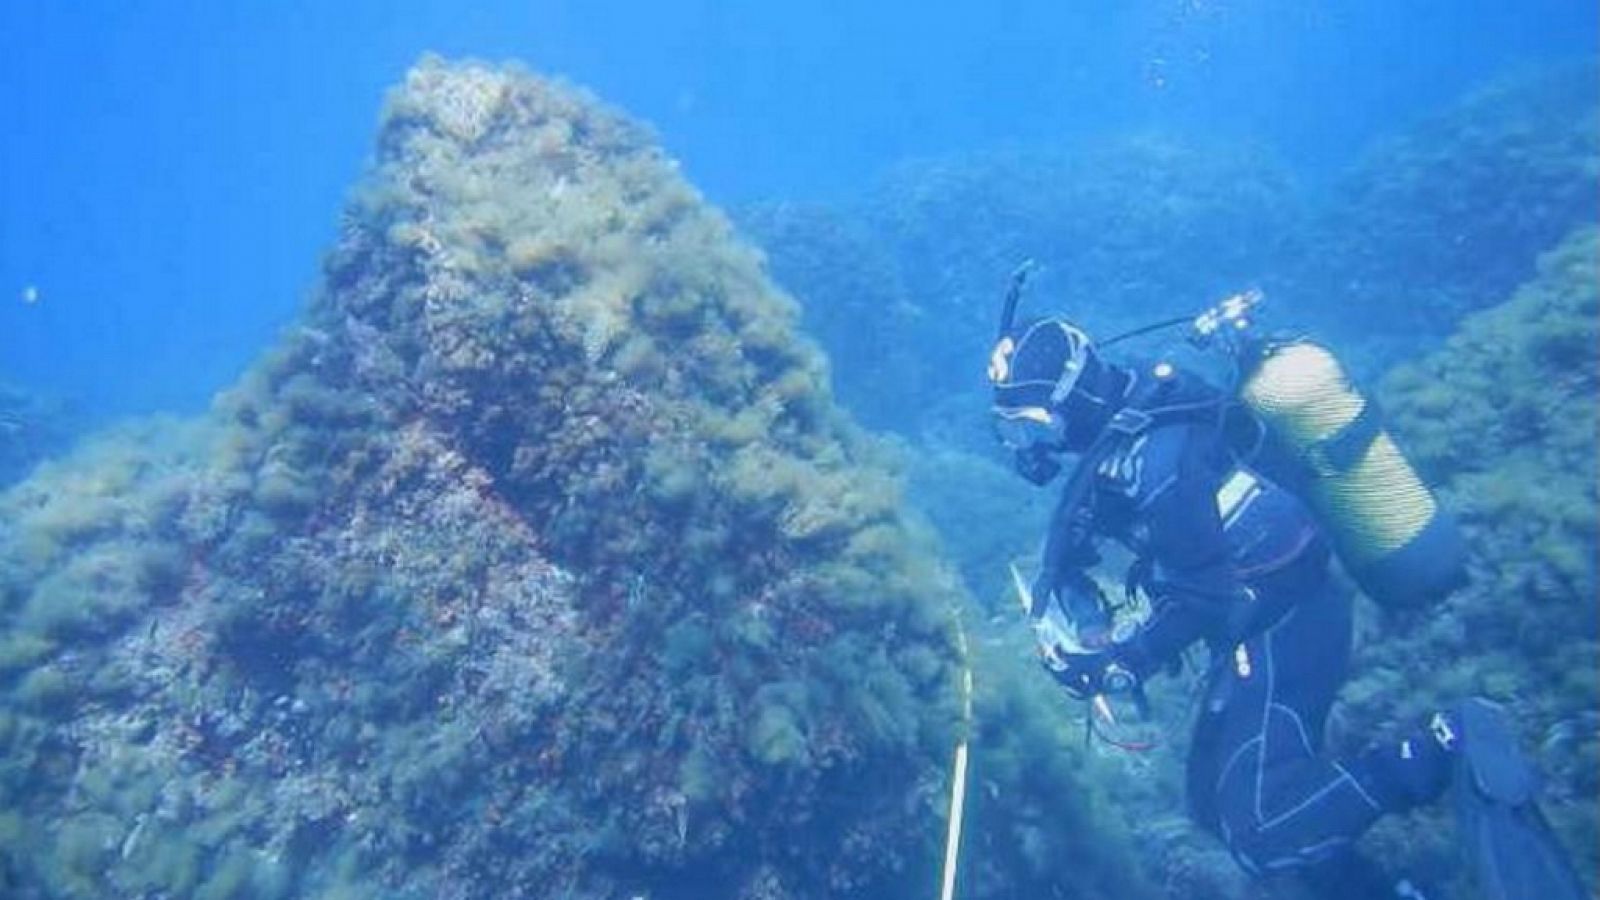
[(1193, 586)]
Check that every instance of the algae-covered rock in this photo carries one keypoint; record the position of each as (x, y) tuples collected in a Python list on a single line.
[(1504, 418), (1448, 216), (536, 561), (958, 491)]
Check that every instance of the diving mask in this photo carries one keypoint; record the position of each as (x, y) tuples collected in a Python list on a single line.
[(1028, 428)]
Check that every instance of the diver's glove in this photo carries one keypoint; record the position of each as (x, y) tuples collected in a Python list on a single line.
[(1083, 671)]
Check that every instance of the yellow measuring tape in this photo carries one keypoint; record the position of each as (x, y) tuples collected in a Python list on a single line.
[(958, 781)]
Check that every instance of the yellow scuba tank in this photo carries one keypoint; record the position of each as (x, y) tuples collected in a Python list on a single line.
[(1385, 524)]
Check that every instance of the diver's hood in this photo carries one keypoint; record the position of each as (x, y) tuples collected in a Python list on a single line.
[(1050, 364), (1039, 364)]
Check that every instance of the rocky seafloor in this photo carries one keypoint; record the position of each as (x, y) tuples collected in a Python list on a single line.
[(537, 558)]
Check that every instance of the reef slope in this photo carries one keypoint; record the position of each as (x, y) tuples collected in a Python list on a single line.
[(534, 561)]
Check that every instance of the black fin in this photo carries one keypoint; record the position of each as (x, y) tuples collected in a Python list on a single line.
[(1496, 792)]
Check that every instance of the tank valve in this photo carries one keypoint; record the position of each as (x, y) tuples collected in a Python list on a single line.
[(1232, 312)]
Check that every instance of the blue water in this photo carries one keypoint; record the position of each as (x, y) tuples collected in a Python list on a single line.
[(171, 171)]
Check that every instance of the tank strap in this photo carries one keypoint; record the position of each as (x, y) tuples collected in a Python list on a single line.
[(1341, 451)]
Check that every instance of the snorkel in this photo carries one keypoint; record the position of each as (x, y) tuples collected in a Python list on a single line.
[(1004, 343), (1008, 312)]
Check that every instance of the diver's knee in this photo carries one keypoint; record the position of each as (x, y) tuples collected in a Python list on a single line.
[(1411, 772)]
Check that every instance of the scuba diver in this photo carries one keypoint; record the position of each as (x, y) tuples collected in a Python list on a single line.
[(1233, 503)]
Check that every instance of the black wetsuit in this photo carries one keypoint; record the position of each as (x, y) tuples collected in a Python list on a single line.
[(1233, 560)]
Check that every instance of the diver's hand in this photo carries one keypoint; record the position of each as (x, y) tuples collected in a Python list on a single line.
[(1080, 669)]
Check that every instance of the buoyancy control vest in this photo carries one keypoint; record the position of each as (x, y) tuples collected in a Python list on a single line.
[(1297, 420)]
